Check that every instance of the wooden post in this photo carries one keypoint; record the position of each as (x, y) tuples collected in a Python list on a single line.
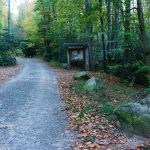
[(87, 59), (68, 59)]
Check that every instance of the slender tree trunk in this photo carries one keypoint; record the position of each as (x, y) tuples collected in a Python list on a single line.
[(127, 31), (109, 29), (0, 14), (46, 19), (103, 36), (9, 18), (116, 26), (89, 31), (143, 33)]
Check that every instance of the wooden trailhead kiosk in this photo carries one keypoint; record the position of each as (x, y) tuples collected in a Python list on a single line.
[(77, 53)]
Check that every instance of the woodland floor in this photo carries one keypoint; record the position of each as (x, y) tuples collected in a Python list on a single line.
[(33, 92), (8, 72), (91, 116)]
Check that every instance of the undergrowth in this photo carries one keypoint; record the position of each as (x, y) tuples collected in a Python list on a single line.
[(55, 64), (105, 100)]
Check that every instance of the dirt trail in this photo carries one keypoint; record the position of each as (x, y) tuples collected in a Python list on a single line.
[(31, 116)]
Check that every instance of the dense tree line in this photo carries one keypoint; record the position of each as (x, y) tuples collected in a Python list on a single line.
[(7, 41), (117, 32), (116, 29)]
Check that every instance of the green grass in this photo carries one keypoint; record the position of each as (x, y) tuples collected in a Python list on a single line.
[(77, 87), (104, 101), (55, 64)]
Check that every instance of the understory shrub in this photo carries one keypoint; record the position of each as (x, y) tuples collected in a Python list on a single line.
[(137, 72), (7, 45), (18, 52), (7, 60), (142, 76), (28, 48), (77, 87), (54, 63), (147, 91)]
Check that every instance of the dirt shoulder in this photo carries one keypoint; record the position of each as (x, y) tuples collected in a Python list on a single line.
[(8, 72), (92, 119)]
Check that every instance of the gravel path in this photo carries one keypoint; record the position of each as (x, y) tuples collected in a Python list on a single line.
[(31, 116)]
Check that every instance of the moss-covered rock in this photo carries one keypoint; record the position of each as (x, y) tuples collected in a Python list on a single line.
[(136, 117), (93, 84), (81, 76)]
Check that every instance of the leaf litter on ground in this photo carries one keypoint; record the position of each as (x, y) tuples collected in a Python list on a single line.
[(7, 72), (95, 130)]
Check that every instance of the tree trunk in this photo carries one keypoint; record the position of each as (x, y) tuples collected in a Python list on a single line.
[(103, 36), (116, 26), (0, 14), (109, 29), (143, 33), (9, 18), (89, 31), (127, 39)]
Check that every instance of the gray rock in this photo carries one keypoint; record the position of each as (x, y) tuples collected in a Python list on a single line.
[(65, 66), (135, 117), (81, 76), (93, 84), (146, 102)]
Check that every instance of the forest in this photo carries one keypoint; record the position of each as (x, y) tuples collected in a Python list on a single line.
[(115, 35), (117, 32)]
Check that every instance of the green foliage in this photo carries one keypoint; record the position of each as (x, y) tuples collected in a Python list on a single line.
[(54, 63), (137, 72), (147, 91), (142, 75), (18, 52), (77, 87), (7, 60), (28, 48), (114, 69), (108, 108), (7, 43)]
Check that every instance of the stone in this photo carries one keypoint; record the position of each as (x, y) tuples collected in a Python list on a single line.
[(93, 84), (146, 102), (65, 66), (81, 76), (135, 117)]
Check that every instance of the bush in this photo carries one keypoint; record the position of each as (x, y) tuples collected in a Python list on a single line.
[(147, 91), (77, 87), (54, 63), (7, 42), (18, 52), (29, 49), (125, 72), (7, 61), (137, 72), (115, 69), (142, 76)]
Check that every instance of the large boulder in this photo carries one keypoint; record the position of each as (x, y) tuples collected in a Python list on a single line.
[(135, 117), (93, 84), (81, 76)]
